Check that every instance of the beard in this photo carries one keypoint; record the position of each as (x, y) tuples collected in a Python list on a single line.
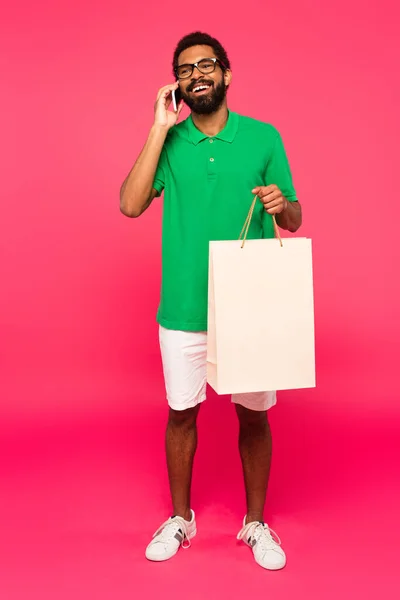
[(210, 103)]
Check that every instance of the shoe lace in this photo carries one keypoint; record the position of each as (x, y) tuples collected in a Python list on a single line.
[(262, 533), (169, 528)]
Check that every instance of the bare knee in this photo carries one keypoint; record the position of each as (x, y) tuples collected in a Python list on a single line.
[(251, 418), (183, 418)]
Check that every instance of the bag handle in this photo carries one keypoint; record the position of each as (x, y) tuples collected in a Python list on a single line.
[(247, 222)]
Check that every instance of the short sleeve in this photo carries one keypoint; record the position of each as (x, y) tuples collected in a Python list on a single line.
[(278, 171), (159, 178)]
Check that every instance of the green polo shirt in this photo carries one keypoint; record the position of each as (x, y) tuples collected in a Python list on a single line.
[(207, 183)]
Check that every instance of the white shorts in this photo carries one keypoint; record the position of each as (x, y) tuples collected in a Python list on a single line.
[(184, 358)]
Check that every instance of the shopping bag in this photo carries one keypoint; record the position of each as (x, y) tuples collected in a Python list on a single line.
[(260, 314)]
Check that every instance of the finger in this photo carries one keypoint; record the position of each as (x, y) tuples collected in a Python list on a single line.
[(267, 192), (167, 89), (274, 207), (165, 94), (272, 200), (262, 193), (271, 197), (273, 203), (264, 189), (166, 101), (275, 210), (256, 190)]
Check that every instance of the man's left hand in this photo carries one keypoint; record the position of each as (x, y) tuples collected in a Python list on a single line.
[(272, 198)]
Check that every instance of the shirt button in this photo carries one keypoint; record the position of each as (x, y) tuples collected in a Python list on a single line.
[(211, 141), (211, 160)]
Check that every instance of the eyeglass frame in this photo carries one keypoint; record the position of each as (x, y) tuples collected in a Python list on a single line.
[(196, 64)]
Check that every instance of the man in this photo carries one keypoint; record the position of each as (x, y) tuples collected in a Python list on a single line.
[(210, 165)]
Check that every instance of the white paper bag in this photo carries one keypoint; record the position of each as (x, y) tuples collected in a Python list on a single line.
[(260, 316)]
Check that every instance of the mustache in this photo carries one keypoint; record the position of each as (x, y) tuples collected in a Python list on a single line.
[(196, 83)]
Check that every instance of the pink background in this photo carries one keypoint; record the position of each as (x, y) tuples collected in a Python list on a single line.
[(82, 401)]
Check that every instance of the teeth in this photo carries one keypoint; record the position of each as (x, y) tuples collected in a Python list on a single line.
[(201, 87)]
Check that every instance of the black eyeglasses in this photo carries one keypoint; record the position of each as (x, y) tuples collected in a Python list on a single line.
[(205, 66)]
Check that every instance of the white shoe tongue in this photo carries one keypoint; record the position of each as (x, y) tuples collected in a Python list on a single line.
[(170, 529)]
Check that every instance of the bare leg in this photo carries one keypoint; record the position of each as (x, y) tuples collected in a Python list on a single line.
[(255, 446), (181, 444)]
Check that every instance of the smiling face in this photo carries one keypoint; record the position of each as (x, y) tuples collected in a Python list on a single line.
[(203, 93)]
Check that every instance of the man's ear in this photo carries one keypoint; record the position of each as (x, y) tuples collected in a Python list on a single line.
[(227, 77)]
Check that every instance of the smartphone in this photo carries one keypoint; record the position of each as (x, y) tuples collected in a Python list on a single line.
[(176, 98)]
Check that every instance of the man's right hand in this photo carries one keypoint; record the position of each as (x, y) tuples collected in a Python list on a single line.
[(162, 116)]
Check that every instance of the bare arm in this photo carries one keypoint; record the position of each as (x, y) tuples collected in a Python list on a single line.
[(137, 192), (290, 218)]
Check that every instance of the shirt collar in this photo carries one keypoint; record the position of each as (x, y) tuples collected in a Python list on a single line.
[(226, 135)]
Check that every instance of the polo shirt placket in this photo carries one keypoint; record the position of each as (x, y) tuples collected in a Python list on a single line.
[(212, 165)]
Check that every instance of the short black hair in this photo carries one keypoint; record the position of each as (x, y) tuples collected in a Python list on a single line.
[(198, 38)]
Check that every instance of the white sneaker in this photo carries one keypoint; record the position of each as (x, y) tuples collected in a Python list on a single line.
[(267, 551), (168, 538)]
